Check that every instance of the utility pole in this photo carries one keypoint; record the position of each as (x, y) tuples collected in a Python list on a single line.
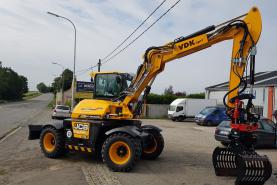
[(74, 64), (99, 65)]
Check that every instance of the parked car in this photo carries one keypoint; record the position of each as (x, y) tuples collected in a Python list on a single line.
[(183, 108), (266, 133), (210, 116), (61, 111)]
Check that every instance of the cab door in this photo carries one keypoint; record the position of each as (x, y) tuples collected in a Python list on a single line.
[(266, 134)]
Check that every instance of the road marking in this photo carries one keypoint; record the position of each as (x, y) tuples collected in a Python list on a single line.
[(11, 132), (99, 174)]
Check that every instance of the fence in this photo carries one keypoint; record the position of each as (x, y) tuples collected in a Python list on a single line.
[(155, 111)]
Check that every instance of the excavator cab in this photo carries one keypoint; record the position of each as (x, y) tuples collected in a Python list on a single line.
[(109, 85)]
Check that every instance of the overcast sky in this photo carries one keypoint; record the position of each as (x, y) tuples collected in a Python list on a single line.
[(30, 39)]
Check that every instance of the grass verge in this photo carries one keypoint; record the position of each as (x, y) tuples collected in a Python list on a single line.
[(52, 103), (30, 95)]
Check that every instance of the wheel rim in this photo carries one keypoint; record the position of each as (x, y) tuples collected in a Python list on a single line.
[(120, 152), (152, 148), (49, 142)]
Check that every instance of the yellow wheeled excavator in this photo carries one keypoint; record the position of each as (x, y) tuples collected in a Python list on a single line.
[(107, 124)]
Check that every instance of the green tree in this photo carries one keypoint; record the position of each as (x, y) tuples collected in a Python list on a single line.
[(67, 79), (169, 90), (56, 84), (12, 85), (181, 94), (42, 88), (25, 88), (196, 96)]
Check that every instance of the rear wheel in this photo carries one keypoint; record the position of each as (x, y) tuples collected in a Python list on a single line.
[(156, 145), (180, 118), (52, 142), (120, 152)]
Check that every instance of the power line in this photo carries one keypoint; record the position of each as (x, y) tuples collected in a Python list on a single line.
[(134, 31), (90, 68), (85, 70), (113, 56)]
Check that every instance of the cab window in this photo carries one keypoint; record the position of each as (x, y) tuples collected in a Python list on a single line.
[(109, 85), (179, 108), (266, 126)]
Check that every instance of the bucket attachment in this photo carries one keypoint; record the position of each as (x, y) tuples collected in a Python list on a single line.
[(248, 168)]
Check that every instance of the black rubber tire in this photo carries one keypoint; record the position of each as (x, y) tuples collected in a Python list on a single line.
[(59, 150), (159, 145), (209, 123), (180, 118), (135, 147)]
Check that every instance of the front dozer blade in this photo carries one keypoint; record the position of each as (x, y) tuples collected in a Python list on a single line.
[(248, 168)]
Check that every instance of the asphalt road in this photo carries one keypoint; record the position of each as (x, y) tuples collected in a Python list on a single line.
[(13, 115), (186, 159)]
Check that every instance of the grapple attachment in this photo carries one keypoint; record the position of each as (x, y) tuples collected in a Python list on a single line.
[(224, 161), (248, 168), (253, 169)]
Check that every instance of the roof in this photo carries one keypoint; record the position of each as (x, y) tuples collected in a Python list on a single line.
[(177, 101), (262, 79)]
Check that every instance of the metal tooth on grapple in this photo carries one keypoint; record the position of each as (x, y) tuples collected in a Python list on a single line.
[(253, 169), (224, 161)]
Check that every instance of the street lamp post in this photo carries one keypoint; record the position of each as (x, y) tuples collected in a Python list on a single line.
[(62, 79), (73, 79)]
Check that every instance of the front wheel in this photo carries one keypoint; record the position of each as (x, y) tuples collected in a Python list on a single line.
[(120, 152), (52, 142), (155, 145), (180, 118)]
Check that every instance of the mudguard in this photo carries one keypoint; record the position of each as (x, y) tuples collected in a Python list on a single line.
[(131, 130), (150, 127), (35, 130)]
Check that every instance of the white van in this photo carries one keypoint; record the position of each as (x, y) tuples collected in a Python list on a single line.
[(183, 108)]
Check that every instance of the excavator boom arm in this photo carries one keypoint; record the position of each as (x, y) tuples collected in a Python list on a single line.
[(244, 33)]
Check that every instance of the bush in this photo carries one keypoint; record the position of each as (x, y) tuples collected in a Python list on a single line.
[(42, 88), (168, 98), (196, 96), (160, 99)]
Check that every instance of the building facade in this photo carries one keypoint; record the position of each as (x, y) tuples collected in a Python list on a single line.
[(264, 90)]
